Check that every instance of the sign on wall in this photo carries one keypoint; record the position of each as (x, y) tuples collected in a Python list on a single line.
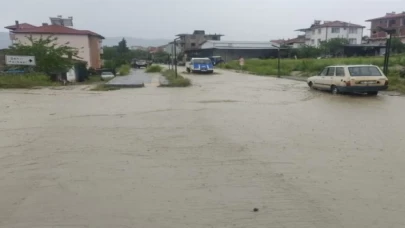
[(20, 60)]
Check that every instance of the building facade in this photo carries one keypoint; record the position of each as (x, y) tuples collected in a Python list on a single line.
[(395, 21), (194, 41), (319, 32), (87, 43)]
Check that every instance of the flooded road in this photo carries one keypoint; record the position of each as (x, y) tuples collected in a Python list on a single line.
[(203, 156)]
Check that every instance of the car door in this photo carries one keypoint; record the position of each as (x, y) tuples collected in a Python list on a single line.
[(317, 83), (339, 76), (329, 77)]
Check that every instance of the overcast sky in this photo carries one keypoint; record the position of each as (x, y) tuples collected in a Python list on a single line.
[(242, 20)]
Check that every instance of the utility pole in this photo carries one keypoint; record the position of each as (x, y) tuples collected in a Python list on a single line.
[(175, 57), (278, 60), (390, 32)]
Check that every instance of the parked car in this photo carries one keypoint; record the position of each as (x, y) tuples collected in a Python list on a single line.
[(200, 65), (107, 75), (350, 79), (141, 63), (216, 60)]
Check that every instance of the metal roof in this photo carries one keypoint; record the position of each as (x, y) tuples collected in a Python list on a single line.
[(213, 44)]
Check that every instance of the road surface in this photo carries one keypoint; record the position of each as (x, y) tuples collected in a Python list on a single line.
[(203, 156), (136, 78)]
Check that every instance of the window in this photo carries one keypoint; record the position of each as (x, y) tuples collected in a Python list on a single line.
[(331, 71), (192, 37), (340, 71), (364, 71), (353, 30), (352, 41), (319, 31), (324, 72), (312, 42), (391, 22), (192, 44), (403, 21), (335, 30)]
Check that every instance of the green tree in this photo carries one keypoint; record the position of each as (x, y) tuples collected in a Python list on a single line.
[(50, 57), (397, 46), (334, 46), (307, 51), (122, 46)]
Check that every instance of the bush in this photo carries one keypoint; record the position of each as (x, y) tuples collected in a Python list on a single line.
[(124, 69), (25, 81), (180, 81), (154, 69)]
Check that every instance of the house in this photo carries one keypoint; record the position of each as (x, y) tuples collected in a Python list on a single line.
[(231, 50), (194, 41), (297, 42), (392, 20), (319, 32), (169, 48), (88, 43)]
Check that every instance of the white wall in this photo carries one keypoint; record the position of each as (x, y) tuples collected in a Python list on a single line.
[(81, 42), (323, 34)]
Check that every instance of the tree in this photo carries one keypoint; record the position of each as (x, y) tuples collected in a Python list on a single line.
[(334, 46), (307, 51), (122, 46), (50, 57), (397, 46)]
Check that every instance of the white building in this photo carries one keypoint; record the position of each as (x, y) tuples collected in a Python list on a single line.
[(319, 32)]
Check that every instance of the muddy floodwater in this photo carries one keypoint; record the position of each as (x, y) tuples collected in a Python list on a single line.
[(203, 156)]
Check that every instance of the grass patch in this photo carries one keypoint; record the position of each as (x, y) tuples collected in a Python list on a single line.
[(124, 69), (26, 81), (180, 81), (104, 87), (153, 69), (268, 67)]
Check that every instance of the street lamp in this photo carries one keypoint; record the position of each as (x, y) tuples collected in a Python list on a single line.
[(387, 47), (278, 59)]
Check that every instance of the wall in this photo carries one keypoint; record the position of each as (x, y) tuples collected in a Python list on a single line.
[(81, 42), (322, 34), (95, 51)]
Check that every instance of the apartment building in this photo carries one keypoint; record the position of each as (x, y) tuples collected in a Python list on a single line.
[(88, 43), (319, 32), (194, 41), (395, 21)]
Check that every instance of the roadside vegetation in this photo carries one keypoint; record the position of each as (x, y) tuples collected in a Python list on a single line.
[(153, 69), (174, 81), (25, 81), (124, 69)]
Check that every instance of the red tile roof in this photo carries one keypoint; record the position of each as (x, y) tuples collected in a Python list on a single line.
[(389, 16), (21, 26), (56, 29)]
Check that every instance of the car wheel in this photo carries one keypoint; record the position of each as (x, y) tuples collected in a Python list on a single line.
[(372, 93), (310, 85), (334, 89), (188, 70)]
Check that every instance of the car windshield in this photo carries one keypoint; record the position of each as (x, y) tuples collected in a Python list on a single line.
[(364, 71), (202, 61)]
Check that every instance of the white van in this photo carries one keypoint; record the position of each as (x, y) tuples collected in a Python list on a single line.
[(350, 79)]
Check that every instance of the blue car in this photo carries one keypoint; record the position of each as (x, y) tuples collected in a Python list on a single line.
[(201, 65)]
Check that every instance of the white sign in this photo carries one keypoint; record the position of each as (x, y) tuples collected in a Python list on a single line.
[(20, 60)]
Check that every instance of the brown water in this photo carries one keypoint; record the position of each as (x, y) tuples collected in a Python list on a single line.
[(203, 156)]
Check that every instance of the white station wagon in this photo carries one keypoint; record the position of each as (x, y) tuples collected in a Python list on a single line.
[(350, 79)]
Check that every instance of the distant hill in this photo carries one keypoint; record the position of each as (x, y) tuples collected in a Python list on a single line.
[(4, 40), (132, 41)]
